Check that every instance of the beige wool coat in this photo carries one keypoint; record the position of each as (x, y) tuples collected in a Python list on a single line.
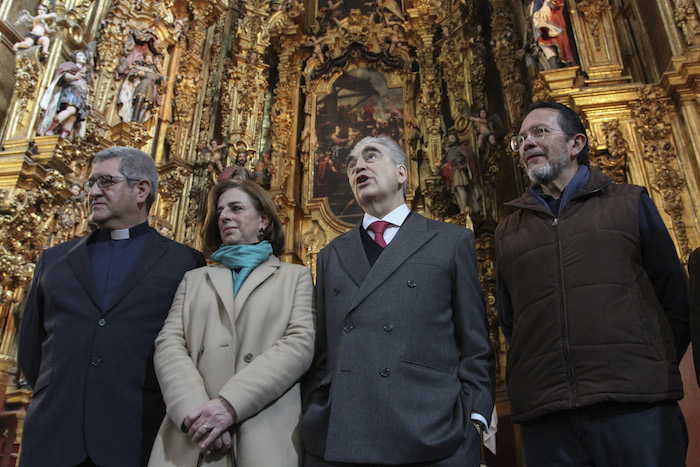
[(251, 351)]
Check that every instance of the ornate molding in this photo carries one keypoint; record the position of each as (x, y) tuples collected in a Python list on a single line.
[(686, 18), (592, 11), (26, 78), (25, 223), (613, 163), (651, 115)]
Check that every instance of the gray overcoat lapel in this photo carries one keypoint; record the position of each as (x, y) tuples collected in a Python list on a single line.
[(351, 254), (412, 235), (80, 264)]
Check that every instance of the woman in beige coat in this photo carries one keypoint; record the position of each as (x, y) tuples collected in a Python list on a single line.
[(239, 335)]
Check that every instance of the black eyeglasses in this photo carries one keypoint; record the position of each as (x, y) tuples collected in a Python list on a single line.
[(106, 181)]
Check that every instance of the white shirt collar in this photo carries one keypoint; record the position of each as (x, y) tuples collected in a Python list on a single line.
[(395, 217)]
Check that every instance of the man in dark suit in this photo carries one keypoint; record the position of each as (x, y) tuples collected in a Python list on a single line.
[(404, 371), (94, 309)]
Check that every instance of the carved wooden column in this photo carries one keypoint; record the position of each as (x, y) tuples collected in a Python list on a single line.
[(596, 38)]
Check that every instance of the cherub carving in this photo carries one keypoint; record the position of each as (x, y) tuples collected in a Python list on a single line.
[(40, 29)]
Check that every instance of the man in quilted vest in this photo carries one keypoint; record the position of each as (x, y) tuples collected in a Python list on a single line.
[(593, 301)]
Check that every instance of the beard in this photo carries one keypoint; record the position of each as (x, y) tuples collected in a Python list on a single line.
[(544, 174)]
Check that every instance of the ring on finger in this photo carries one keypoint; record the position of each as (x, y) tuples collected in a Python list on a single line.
[(206, 428)]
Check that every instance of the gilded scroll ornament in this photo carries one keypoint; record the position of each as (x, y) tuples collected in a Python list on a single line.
[(651, 114), (171, 187), (686, 18), (613, 163), (592, 11), (25, 222), (26, 77)]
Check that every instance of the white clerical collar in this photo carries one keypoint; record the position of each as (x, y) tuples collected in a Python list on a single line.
[(121, 234)]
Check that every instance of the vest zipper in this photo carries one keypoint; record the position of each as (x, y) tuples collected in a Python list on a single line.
[(564, 316)]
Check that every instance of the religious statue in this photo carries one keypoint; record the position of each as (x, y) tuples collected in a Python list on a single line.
[(460, 172), (215, 165), (40, 29), (139, 93), (65, 101), (317, 45), (550, 32), (484, 129), (264, 171), (238, 171), (392, 31)]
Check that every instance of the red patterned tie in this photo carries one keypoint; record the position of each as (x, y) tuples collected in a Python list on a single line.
[(378, 227)]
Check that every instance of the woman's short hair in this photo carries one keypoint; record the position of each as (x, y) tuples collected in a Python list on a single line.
[(274, 232)]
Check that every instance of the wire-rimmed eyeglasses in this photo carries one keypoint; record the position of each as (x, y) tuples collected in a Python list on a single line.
[(106, 181), (536, 133)]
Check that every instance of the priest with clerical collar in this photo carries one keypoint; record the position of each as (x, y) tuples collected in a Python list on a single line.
[(94, 309)]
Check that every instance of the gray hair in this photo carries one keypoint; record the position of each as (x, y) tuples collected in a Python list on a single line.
[(133, 164), (396, 154)]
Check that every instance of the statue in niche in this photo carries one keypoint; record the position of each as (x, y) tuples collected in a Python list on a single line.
[(65, 102), (484, 129), (330, 14), (238, 171), (139, 68), (215, 165), (39, 32), (392, 30), (460, 172), (264, 171), (139, 93), (73, 209), (549, 32), (317, 45)]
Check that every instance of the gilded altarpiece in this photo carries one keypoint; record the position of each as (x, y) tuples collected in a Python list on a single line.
[(277, 77)]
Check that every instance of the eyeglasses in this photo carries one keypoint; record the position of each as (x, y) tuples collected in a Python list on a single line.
[(537, 133), (106, 181)]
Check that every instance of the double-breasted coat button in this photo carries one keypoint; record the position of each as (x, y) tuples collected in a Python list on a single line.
[(101, 322), (96, 361), (384, 372), (411, 283), (388, 327), (336, 291), (348, 327), (248, 357)]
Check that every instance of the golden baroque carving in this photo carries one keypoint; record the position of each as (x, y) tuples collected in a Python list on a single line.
[(613, 163), (25, 222), (686, 18), (651, 113), (504, 47), (289, 71), (112, 42), (592, 11), (437, 197), (281, 205), (313, 240), (172, 186), (26, 77)]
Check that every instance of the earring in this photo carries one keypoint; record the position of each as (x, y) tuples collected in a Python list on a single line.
[(261, 234)]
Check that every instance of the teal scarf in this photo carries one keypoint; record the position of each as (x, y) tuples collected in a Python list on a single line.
[(242, 259)]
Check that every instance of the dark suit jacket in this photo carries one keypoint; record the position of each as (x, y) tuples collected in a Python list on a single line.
[(694, 271), (403, 355), (91, 368)]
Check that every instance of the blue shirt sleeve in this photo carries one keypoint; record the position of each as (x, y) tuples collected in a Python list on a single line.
[(665, 271)]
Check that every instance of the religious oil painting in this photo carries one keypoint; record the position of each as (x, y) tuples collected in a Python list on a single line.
[(359, 104)]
